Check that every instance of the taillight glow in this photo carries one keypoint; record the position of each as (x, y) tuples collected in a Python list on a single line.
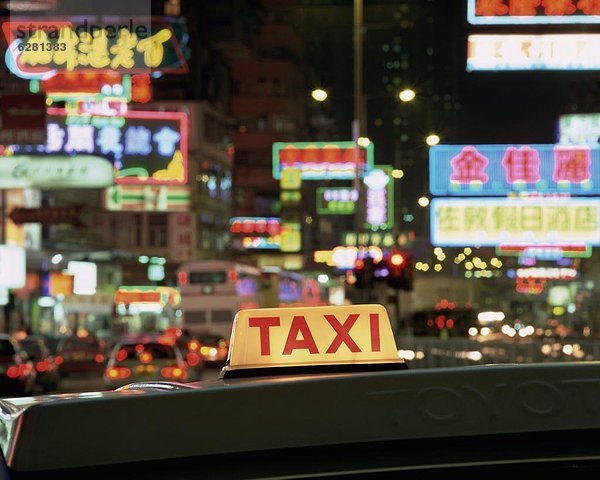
[(145, 357), (172, 372), (193, 346), (139, 348), (58, 360), (115, 373), (99, 358), (12, 372), (192, 359), (121, 355), (42, 366)]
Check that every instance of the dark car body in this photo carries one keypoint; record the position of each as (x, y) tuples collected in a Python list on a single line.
[(17, 374), (47, 372), (80, 355)]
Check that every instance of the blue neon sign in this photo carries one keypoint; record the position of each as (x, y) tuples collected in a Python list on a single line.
[(479, 170)]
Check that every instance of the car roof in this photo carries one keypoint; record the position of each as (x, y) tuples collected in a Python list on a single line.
[(294, 412)]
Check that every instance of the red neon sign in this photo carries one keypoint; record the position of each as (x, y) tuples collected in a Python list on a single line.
[(469, 166), (571, 164)]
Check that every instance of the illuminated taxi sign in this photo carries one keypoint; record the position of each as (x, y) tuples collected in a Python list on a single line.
[(312, 337)]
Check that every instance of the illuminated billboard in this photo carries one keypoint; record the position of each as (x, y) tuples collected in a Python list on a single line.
[(145, 147), (479, 170), (497, 221), (379, 198), (533, 52), (532, 12), (336, 200), (579, 128), (323, 160)]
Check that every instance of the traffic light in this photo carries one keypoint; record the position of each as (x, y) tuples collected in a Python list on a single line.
[(400, 274)]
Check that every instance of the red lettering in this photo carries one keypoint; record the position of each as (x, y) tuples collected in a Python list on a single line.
[(299, 325), (375, 340), (342, 330), (264, 323)]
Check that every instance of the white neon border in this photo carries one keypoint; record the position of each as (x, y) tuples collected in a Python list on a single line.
[(435, 241)]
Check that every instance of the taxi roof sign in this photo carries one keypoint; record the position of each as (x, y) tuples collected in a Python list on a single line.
[(311, 338)]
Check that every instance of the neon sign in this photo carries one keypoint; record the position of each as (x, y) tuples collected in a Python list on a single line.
[(533, 52), (323, 160), (255, 226), (380, 198), (383, 239), (548, 273), (145, 147), (336, 200), (579, 128), (532, 286), (497, 221), (530, 12), (66, 46), (545, 252), (147, 198), (261, 243), (478, 170)]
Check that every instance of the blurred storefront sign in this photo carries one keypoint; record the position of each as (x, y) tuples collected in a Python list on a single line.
[(182, 236), (55, 171), (533, 52), (12, 266), (28, 235), (496, 221), (323, 160), (48, 215), (579, 128), (147, 198), (57, 283), (479, 170), (22, 119), (528, 12)]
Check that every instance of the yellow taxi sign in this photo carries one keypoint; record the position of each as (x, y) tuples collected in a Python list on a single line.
[(314, 336)]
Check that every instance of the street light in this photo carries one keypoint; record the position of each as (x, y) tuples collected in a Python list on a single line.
[(407, 95), (432, 140), (423, 202), (319, 94)]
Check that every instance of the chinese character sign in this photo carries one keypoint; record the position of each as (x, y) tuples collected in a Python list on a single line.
[(144, 147), (497, 221), (533, 52), (323, 160), (531, 12), (336, 200), (65, 46), (479, 170)]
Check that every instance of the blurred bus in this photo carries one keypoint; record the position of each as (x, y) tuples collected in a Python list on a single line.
[(213, 291)]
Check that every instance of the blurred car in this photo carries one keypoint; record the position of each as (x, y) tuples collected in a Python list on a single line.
[(47, 374), (213, 348), (145, 358), (189, 347), (17, 374), (80, 354)]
